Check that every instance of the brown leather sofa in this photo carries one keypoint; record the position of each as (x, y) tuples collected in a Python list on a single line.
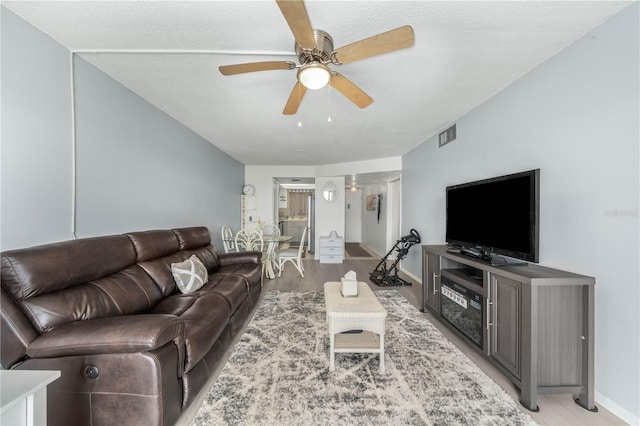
[(106, 312)]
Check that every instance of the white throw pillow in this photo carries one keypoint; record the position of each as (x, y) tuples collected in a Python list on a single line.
[(189, 275)]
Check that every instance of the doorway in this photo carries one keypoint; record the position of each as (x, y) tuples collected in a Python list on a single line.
[(394, 224)]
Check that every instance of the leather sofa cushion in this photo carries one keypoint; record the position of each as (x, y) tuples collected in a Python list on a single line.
[(192, 238), (154, 244), (252, 257), (39, 270), (196, 240), (160, 271), (208, 255), (232, 288), (129, 333), (130, 291), (205, 316), (247, 271)]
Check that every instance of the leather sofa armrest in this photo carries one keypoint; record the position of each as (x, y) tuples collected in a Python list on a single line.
[(124, 334), (240, 257)]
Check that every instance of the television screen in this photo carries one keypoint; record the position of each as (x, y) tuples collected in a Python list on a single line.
[(496, 216)]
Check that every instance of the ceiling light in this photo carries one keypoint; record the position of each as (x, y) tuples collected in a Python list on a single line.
[(314, 75)]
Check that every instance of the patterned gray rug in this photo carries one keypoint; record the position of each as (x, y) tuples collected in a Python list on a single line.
[(279, 374)]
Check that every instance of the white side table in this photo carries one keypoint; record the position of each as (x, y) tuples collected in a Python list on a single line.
[(23, 396), (363, 312)]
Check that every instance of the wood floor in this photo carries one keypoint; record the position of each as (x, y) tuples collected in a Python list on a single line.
[(554, 409)]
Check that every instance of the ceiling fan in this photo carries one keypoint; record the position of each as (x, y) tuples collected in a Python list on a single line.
[(315, 51)]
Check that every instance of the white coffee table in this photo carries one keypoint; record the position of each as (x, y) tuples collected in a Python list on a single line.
[(363, 312)]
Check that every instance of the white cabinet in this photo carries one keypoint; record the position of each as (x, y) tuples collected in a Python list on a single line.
[(248, 210), (331, 249)]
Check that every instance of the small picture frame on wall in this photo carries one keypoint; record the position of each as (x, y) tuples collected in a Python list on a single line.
[(371, 202)]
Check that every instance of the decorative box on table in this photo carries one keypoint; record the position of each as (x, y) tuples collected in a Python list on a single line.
[(349, 285)]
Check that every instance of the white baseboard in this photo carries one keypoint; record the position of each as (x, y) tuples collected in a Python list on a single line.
[(624, 414), (413, 276)]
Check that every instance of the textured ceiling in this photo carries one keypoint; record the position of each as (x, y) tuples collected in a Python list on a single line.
[(464, 53)]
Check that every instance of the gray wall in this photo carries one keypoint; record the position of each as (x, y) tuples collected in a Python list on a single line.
[(137, 168), (576, 117), (35, 187)]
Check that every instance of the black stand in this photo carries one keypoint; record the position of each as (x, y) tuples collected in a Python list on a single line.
[(388, 276)]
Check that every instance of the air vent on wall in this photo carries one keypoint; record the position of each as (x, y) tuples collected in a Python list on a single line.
[(447, 136)]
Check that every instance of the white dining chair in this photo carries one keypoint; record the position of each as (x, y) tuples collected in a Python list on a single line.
[(292, 255), (248, 239), (271, 229), (270, 234), (228, 241)]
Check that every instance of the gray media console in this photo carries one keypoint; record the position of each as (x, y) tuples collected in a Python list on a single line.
[(537, 322)]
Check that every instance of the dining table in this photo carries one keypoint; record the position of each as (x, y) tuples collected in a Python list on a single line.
[(269, 250)]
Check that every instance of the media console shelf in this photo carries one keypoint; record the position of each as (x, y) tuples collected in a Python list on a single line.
[(537, 322)]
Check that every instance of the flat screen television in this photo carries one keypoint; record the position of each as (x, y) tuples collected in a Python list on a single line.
[(496, 217)]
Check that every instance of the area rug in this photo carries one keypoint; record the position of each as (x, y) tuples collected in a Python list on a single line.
[(279, 374), (355, 250)]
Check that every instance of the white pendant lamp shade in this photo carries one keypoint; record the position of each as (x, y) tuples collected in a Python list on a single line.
[(314, 75)]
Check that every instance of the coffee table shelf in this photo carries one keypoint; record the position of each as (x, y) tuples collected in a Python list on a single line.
[(363, 312), (366, 341)]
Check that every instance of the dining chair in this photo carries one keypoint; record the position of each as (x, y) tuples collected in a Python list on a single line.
[(292, 255), (270, 234), (271, 229), (248, 239), (228, 241)]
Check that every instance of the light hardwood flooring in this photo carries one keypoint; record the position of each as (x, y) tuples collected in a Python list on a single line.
[(554, 409)]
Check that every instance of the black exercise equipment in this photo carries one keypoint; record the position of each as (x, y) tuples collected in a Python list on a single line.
[(388, 276)]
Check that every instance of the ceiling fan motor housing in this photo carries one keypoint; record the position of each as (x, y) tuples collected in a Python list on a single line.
[(322, 52)]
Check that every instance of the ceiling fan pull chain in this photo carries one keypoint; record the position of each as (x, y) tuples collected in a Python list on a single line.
[(329, 106)]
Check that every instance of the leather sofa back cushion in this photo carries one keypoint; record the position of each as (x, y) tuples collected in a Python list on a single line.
[(35, 271), (194, 237), (130, 291), (197, 240), (208, 255), (160, 271), (154, 244)]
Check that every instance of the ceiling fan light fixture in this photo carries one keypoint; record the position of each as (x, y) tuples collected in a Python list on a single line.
[(314, 75)]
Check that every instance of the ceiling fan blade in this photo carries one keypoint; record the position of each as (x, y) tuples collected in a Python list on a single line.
[(256, 66), (295, 98), (296, 15), (389, 41), (355, 94)]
